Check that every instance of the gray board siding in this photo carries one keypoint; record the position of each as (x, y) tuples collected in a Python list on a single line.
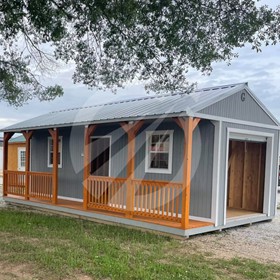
[(202, 162), (202, 170), (70, 176), (233, 107), (140, 147), (118, 148), (223, 159)]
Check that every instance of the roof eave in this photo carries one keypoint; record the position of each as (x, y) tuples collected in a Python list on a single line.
[(148, 117), (262, 105)]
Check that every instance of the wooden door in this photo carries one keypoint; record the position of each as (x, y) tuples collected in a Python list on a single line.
[(21, 159), (246, 175), (100, 156)]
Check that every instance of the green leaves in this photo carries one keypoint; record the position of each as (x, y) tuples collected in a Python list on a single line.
[(117, 42)]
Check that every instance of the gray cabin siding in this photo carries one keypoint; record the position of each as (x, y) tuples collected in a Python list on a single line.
[(202, 162), (118, 148), (233, 107), (70, 176), (140, 149), (223, 160), (202, 170)]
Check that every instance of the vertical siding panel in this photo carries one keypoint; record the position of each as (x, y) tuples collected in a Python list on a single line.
[(202, 170), (248, 109)]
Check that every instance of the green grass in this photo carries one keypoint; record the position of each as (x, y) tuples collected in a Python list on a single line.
[(60, 248)]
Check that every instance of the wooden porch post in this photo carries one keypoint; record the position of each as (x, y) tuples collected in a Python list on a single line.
[(188, 125), (89, 130), (7, 137), (54, 134), (27, 135), (131, 129)]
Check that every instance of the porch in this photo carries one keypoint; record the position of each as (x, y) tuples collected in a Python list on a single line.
[(133, 200), (154, 202)]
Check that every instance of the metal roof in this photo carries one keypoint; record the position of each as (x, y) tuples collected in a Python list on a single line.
[(18, 139), (147, 107)]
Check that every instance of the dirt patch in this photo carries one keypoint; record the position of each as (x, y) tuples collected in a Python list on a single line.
[(260, 242), (15, 272), (25, 272)]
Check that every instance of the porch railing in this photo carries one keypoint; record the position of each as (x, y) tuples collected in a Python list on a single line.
[(15, 182), (154, 199), (157, 199), (40, 184), (107, 193)]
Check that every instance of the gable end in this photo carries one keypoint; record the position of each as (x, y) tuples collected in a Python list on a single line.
[(240, 106)]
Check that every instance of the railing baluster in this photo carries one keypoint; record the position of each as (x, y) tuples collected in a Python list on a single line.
[(163, 200), (146, 196), (172, 205), (118, 194), (167, 201), (177, 204)]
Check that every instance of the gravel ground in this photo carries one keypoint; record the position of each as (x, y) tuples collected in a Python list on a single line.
[(260, 241)]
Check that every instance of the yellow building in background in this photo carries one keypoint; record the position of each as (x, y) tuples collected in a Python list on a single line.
[(16, 154)]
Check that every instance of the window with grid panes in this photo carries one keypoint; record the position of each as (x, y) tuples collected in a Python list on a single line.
[(159, 151)]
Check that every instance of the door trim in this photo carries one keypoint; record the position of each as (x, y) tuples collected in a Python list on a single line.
[(231, 133), (110, 149)]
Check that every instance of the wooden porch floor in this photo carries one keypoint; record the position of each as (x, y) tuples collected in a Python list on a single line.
[(79, 206), (232, 212)]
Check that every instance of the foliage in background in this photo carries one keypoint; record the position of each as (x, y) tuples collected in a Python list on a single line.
[(116, 42)]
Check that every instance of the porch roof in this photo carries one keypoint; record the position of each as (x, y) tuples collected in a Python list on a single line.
[(150, 107)]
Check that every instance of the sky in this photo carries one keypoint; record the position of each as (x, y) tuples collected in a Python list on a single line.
[(260, 70)]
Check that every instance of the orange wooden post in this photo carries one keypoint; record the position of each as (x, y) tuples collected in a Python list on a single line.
[(89, 130), (131, 129), (188, 125), (27, 135), (54, 134), (7, 137)]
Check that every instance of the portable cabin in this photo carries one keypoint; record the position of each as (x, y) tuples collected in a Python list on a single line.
[(16, 154), (182, 164)]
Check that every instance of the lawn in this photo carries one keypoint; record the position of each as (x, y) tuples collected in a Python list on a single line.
[(56, 247)]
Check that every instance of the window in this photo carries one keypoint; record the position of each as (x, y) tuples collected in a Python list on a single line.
[(50, 152), (159, 151)]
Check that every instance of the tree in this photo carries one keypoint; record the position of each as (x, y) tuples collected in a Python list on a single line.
[(115, 42)]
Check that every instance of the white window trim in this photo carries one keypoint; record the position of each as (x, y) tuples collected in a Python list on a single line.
[(48, 163), (170, 152), (110, 150)]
